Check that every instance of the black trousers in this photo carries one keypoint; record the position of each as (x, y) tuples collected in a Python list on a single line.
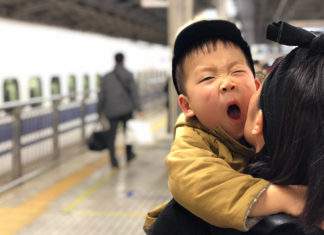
[(112, 137), (176, 220)]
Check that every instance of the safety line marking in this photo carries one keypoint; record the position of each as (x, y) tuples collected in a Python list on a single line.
[(89, 191), (108, 213)]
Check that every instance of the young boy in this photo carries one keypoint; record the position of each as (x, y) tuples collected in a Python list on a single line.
[(213, 73)]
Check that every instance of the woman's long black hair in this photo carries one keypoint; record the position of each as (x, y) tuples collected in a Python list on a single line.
[(297, 155)]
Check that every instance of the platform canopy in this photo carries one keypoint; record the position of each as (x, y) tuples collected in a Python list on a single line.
[(127, 18)]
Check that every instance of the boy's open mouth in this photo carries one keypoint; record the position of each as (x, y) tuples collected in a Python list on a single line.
[(234, 112)]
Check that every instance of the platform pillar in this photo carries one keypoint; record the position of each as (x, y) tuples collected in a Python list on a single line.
[(179, 13)]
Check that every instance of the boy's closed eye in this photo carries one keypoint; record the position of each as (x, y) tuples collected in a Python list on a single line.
[(207, 79), (239, 72)]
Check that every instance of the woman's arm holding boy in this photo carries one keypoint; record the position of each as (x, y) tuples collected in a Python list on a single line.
[(275, 199)]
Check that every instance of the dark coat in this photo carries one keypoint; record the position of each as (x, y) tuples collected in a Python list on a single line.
[(118, 93)]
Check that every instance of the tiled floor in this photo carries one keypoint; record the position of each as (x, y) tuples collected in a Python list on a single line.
[(85, 196)]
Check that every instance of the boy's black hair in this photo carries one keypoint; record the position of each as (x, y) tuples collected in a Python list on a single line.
[(201, 32)]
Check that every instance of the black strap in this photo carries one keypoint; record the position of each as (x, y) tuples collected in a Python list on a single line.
[(119, 79)]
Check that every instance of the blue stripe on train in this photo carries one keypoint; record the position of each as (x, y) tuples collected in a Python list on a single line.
[(30, 125), (6, 151), (5, 132)]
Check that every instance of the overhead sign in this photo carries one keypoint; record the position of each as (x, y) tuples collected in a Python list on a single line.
[(154, 3)]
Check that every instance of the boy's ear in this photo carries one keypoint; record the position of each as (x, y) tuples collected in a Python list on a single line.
[(257, 83), (258, 124), (185, 106)]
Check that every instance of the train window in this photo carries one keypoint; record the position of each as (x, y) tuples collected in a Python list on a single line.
[(85, 82), (55, 86), (10, 90), (72, 87), (98, 80), (35, 88)]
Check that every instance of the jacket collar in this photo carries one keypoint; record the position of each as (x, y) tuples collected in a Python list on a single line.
[(219, 133)]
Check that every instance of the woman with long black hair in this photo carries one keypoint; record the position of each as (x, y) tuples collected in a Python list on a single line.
[(286, 120)]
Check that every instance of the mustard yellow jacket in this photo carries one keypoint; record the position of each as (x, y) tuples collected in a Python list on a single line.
[(204, 176)]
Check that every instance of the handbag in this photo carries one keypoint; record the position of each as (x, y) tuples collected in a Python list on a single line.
[(138, 132), (99, 139)]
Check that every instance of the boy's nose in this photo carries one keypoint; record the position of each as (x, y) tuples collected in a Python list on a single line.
[(227, 85)]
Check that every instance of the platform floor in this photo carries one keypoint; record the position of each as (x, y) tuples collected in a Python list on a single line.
[(84, 195)]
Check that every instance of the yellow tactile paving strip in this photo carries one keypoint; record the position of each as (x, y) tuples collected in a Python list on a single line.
[(13, 219)]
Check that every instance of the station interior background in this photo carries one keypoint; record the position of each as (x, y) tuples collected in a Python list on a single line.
[(52, 56)]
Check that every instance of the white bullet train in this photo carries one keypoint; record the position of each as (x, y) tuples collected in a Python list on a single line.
[(40, 62)]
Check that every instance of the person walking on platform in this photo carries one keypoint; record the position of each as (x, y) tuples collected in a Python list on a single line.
[(118, 99)]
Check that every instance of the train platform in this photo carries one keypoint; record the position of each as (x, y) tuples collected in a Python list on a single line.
[(84, 195)]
